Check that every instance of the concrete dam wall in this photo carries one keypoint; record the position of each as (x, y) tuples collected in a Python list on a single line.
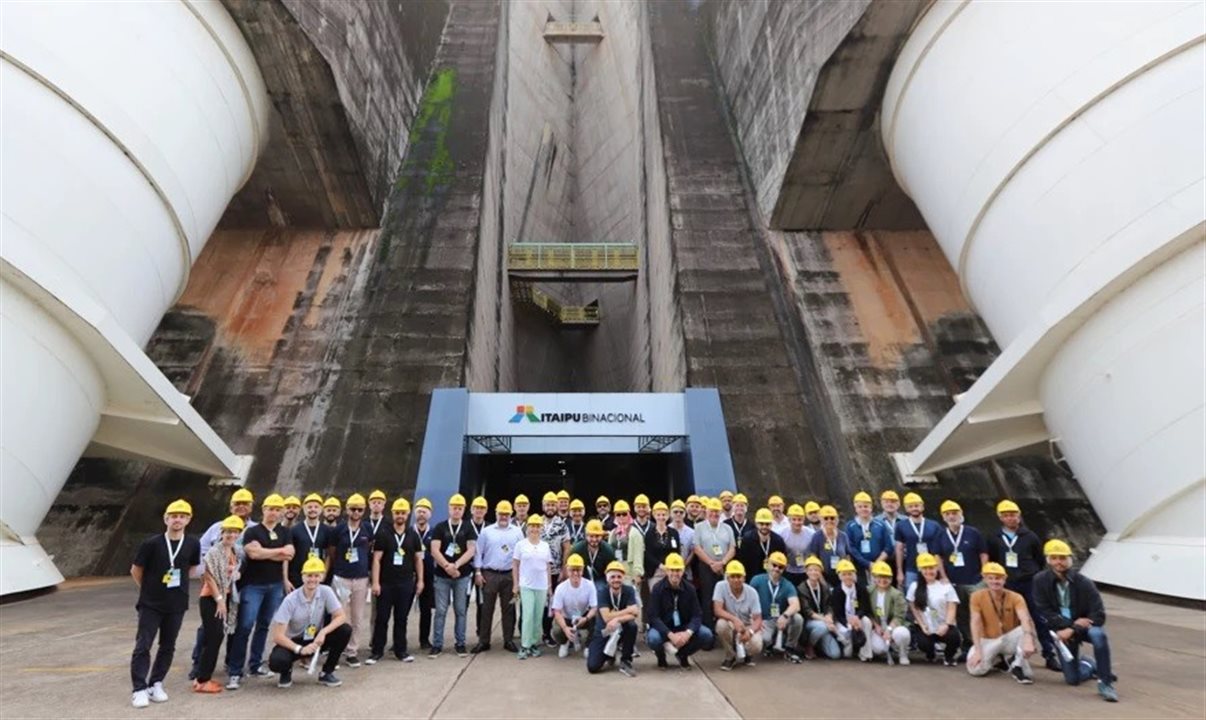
[(312, 339)]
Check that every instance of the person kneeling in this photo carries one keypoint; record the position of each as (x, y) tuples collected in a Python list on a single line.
[(885, 627), (616, 625), (1001, 627), (296, 632), (739, 617), (575, 605), (848, 606), (675, 617)]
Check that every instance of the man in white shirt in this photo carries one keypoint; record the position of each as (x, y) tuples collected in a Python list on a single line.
[(738, 612), (494, 552), (797, 539), (714, 547), (779, 522), (575, 604)]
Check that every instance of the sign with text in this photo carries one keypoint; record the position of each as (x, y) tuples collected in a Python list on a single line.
[(581, 414)]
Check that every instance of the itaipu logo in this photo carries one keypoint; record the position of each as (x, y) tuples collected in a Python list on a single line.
[(529, 413)]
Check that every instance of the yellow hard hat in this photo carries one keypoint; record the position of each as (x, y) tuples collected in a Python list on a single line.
[(692, 499), (292, 501), (577, 504), (401, 505), (1057, 548), (549, 497), (522, 499), (621, 506), (313, 497), (881, 569), (774, 500), (641, 499), (674, 561), (828, 511), (563, 495), (179, 507), (777, 558), (845, 566), (595, 527), (678, 505), (377, 495), (602, 500), (913, 499), (992, 568), (457, 500), (862, 497), (480, 502), (734, 568), (332, 502), (615, 566), (763, 516), (740, 498), (659, 505), (725, 494), (949, 506), (535, 520), (242, 495), (796, 510), (575, 561), (423, 503), (314, 566), (889, 495), (1008, 506), (715, 504), (926, 560), (814, 560), (811, 506), (233, 522), (274, 501), (355, 500), (503, 508)]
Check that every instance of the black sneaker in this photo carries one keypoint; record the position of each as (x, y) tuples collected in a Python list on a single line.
[(1016, 672), (461, 651), (684, 662), (424, 645), (434, 652), (748, 661), (661, 662), (728, 665), (510, 647), (949, 661), (480, 648), (286, 679), (627, 669), (793, 658), (372, 659), (352, 661), (329, 680)]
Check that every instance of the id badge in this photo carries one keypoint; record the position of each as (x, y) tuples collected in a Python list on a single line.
[(774, 610), (352, 555), (1011, 559), (399, 558), (310, 633), (864, 547), (272, 535), (1066, 612), (833, 562), (922, 548), (879, 612), (716, 551), (677, 620), (171, 578), (957, 559), (619, 555), (315, 554), (673, 544), (453, 550), (799, 561)]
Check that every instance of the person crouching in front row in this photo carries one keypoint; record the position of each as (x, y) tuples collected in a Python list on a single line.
[(297, 633)]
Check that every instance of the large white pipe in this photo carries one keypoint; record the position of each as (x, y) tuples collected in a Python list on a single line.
[(1056, 150), (127, 129)]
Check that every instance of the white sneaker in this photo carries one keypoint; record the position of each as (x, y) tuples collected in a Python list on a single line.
[(904, 658), (141, 699), (563, 650), (158, 694)]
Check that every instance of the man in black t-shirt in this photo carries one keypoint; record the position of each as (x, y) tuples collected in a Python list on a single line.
[(452, 547), (311, 538), (268, 548), (350, 556), (397, 576), (161, 570)]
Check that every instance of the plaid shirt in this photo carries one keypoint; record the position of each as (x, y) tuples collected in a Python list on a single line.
[(555, 532)]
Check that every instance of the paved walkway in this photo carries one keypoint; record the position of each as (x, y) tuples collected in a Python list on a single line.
[(67, 655)]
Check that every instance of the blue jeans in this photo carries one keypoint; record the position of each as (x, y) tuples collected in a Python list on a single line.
[(1081, 669), (257, 605), (701, 640), (820, 638), (458, 590)]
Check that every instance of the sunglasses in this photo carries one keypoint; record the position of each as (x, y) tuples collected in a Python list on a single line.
[(355, 509), (621, 514)]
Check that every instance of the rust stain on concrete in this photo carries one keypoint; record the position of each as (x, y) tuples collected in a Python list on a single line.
[(925, 272), (883, 316)]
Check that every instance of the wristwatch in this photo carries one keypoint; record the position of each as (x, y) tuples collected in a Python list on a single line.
[(297, 650)]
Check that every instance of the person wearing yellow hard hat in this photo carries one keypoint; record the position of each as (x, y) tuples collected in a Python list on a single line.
[(576, 524), (739, 520), (292, 511), (962, 551), (555, 534), (375, 519), (1016, 548), (686, 535), (563, 504), (311, 537), (849, 604), (423, 528), (616, 624), (263, 582), (351, 556), (797, 540), (738, 614), (332, 509), (1074, 613), (780, 609), (869, 539), (812, 515), (660, 540), (726, 502), (597, 553), (477, 523), (695, 511), (298, 632), (934, 603), (495, 551), (1001, 628), (830, 544), (453, 547), (916, 535), (531, 571), (641, 514), (885, 626), (161, 569), (575, 604), (755, 552), (890, 515), (397, 575), (522, 507), (779, 524), (715, 546), (628, 544), (217, 618), (815, 605), (675, 616), (603, 512)]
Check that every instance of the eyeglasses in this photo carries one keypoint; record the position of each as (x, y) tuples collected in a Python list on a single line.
[(355, 509)]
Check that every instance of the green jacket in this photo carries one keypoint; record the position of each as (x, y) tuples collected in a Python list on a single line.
[(895, 607)]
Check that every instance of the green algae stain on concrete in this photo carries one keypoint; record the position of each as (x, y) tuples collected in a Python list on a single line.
[(429, 158)]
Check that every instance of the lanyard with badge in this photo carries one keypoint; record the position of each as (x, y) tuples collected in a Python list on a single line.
[(592, 554), (833, 547), (918, 529), (314, 552), (864, 545), (1011, 556), (774, 595), (616, 599), (716, 551), (400, 555), (453, 549), (677, 619), (1065, 600), (376, 524), (316, 607), (171, 578), (353, 553), (816, 598), (765, 552), (956, 541), (999, 609), (738, 531)]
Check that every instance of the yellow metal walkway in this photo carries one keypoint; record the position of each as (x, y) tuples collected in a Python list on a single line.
[(528, 263)]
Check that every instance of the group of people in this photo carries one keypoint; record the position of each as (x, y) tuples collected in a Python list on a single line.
[(789, 582)]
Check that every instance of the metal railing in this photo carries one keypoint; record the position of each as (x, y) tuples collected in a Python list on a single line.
[(573, 256), (529, 294)]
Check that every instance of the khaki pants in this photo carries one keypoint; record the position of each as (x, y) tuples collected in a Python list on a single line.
[(353, 594), (728, 641), (1008, 646)]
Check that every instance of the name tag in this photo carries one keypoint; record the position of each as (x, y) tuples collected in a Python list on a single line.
[(272, 535), (171, 578), (799, 561), (453, 549), (864, 546), (1011, 559), (774, 610), (352, 555), (315, 554), (922, 548), (677, 620), (619, 555), (828, 546), (673, 544), (957, 559), (833, 562), (879, 612), (1066, 612), (399, 558), (310, 632), (716, 550)]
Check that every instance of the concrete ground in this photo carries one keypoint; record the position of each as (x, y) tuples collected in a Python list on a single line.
[(66, 654)]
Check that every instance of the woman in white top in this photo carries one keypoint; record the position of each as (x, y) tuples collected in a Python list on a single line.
[(934, 603), (531, 584)]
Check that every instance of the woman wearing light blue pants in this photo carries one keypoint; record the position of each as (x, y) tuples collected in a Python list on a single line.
[(818, 636), (531, 584)]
